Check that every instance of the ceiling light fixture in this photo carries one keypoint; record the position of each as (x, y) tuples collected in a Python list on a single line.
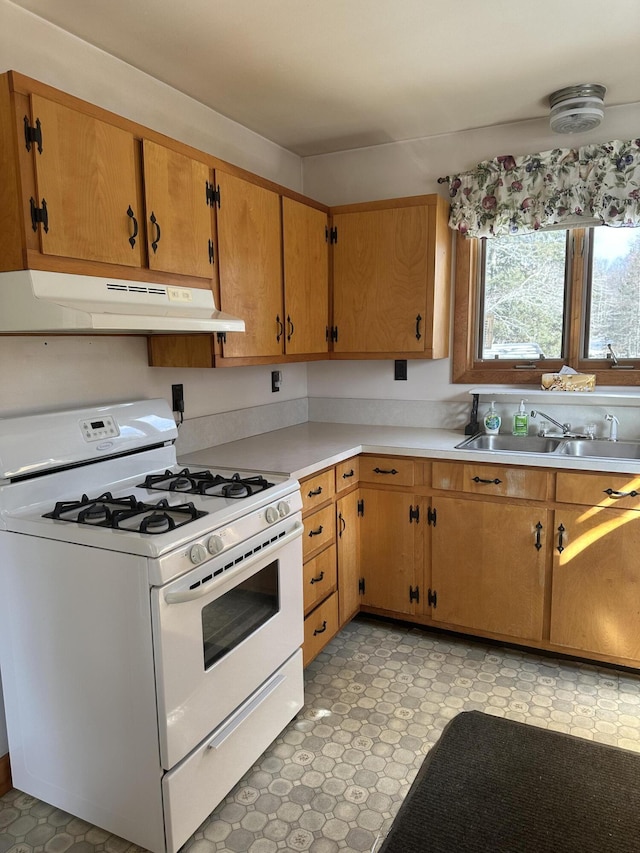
[(575, 109)]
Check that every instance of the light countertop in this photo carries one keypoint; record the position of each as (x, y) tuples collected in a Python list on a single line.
[(301, 450)]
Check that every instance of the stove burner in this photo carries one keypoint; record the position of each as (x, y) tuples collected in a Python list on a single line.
[(126, 513), (207, 483)]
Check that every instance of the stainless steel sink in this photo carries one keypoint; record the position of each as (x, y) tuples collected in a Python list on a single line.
[(511, 443), (598, 448)]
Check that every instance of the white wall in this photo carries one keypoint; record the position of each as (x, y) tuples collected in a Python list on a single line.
[(413, 168)]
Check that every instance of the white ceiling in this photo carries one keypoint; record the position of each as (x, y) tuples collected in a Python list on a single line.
[(326, 76)]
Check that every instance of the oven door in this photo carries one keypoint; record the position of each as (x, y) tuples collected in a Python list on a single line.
[(222, 630)]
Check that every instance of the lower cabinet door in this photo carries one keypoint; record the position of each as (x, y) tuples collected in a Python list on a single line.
[(487, 572), (595, 602)]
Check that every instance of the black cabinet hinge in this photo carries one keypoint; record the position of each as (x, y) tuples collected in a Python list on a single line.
[(414, 514), (432, 598), (333, 234), (334, 334), (39, 214), (414, 594), (361, 507), (361, 586), (431, 517), (213, 194), (33, 134), (210, 251), (222, 337)]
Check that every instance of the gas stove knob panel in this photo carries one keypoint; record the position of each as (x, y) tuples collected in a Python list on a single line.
[(272, 515), (283, 509), (215, 545), (197, 553)]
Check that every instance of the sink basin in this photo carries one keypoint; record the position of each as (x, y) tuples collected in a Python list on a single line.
[(512, 443), (600, 448)]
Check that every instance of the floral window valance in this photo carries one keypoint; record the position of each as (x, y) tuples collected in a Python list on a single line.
[(517, 195)]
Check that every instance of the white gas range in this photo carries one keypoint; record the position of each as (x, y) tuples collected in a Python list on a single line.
[(150, 619)]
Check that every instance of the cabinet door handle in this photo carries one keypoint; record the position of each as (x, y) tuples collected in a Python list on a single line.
[(561, 531), (132, 217), (343, 524), (614, 493), (154, 222), (315, 492), (321, 630), (495, 482), (538, 544), (382, 471), (290, 328), (348, 474), (316, 532), (318, 579), (280, 326), (418, 333)]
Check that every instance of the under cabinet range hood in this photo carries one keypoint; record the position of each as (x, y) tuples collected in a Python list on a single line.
[(43, 301)]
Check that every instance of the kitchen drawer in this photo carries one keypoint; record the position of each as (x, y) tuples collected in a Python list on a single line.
[(319, 578), (319, 531), (320, 626), (317, 490), (497, 480), (599, 489), (347, 473), (195, 786), (387, 470)]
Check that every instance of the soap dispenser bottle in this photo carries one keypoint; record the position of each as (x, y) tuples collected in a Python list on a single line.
[(521, 421), (492, 420)]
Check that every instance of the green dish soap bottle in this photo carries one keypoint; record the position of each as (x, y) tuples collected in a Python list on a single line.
[(521, 421), (492, 420)]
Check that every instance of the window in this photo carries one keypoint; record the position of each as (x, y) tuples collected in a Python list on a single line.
[(529, 304)]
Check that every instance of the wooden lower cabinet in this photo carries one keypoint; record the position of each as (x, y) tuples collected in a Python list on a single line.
[(319, 578), (487, 573), (595, 604), (388, 550), (348, 537), (319, 627)]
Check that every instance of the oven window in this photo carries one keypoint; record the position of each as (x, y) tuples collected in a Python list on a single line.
[(228, 620)]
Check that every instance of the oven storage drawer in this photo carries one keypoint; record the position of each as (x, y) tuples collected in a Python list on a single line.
[(195, 787)]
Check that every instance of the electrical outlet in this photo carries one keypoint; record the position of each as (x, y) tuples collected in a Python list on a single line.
[(400, 369), (276, 380), (177, 398)]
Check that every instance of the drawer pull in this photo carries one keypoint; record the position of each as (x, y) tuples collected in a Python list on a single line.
[(316, 532), (614, 493), (348, 474), (321, 630), (561, 530), (495, 482), (382, 471), (315, 492), (318, 579)]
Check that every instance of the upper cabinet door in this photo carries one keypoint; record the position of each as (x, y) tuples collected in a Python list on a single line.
[(250, 266), (88, 181), (306, 278), (380, 274), (179, 223)]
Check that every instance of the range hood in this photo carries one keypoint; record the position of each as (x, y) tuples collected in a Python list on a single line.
[(42, 301)]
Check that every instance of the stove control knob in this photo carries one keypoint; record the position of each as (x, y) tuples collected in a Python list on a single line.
[(197, 554), (215, 545), (283, 509), (271, 515)]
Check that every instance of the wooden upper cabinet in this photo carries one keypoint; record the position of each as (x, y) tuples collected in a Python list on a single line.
[(88, 179), (250, 265), (306, 278), (391, 277), (179, 218)]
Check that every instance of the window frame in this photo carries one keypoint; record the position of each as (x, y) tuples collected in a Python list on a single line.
[(467, 367)]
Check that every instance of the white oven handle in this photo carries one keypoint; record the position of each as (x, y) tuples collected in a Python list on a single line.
[(202, 591), (217, 741)]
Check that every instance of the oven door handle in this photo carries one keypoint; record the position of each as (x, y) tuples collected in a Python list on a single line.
[(202, 591), (217, 741)]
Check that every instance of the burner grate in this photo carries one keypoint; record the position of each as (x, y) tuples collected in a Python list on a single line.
[(207, 483)]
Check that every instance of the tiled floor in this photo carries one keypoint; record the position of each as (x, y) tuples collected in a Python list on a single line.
[(376, 701)]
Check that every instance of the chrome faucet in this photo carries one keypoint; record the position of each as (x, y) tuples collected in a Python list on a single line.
[(565, 428), (613, 432)]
